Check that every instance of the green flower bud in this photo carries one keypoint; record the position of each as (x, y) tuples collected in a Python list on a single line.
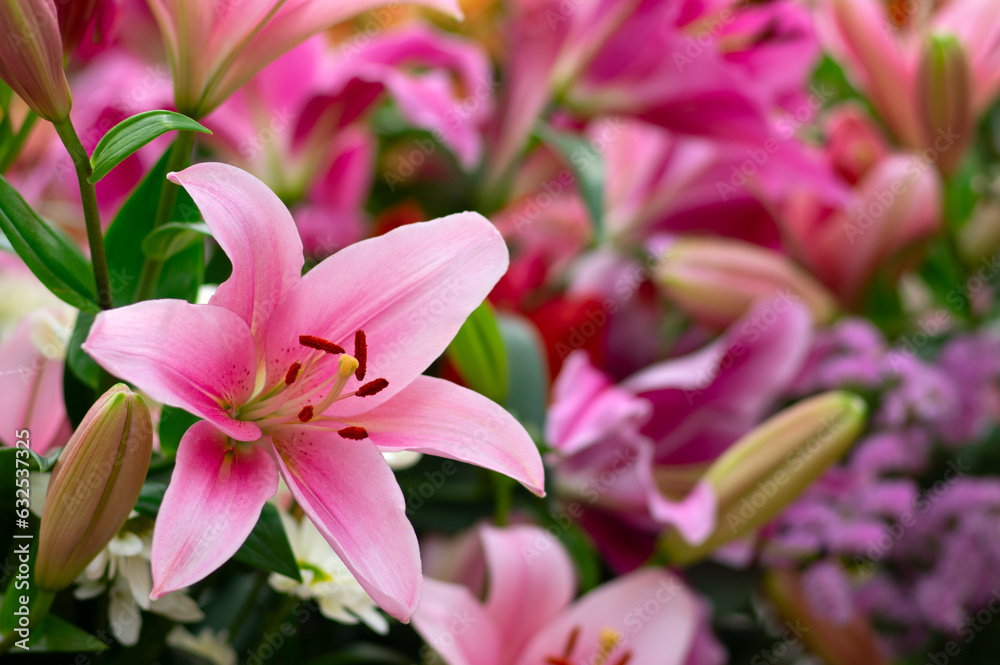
[(94, 486), (944, 99), (769, 467)]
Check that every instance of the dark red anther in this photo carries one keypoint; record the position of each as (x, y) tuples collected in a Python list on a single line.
[(625, 658), (372, 388), (361, 353), (293, 373), (320, 344), (557, 660), (306, 414), (353, 433)]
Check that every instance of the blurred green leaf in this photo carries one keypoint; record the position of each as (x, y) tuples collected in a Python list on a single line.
[(56, 635), (267, 546), (527, 372), (362, 653), (478, 354), (133, 133), (83, 366), (173, 238), (173, 424), (587, 165), (150, 498), (53, 258)]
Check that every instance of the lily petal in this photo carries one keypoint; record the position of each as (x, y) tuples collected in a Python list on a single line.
[(195, 357), (456, 626), (525, 562), (410, 290), (438, 417), (257, 233), (349, 492), (214, 499), (614, 606)]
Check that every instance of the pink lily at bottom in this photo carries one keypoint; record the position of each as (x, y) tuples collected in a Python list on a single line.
[(528, 616), (265, 364)]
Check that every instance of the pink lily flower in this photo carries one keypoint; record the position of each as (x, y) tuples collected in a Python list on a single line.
[(265, 365), (529, 616), (631, 454), (881, 45), (895, 205), (216, 46)]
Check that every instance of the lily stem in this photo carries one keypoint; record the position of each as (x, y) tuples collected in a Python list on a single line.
[(91, 214), (180, 157)]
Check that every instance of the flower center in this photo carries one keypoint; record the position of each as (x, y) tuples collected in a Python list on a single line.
[(302, 398), (608, 641)]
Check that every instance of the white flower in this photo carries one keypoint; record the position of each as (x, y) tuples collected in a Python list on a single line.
[(325, 578), (403, 459), (211, 646), (123, 569)]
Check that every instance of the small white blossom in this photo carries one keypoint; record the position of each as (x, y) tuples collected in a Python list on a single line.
[(213, 647), (325, 578)]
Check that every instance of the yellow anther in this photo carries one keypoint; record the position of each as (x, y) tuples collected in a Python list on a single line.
[(346, 365)]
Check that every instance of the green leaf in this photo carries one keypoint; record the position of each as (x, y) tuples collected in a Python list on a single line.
[(133, 133), (83, 365), (268, 546), (527, 371), (587, 165), (173, 424), (358, 654), (478, 354), (56, 635), (150, 498), (5, 245), (173, 238), (131, 226), (54, 259)]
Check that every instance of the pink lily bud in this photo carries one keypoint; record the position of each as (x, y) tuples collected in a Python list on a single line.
[(83, 19), (94, 486), (31, 56), (944, 94), (854, 143), (717, 280), (770, 466)]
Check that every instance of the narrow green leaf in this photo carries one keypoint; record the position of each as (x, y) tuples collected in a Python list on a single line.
[(173, 238), (54, 259), (478, 354), (587, 165), (150, 498), (131, 226), (133, 133), (527, 371), (83, 365), (267, 546)]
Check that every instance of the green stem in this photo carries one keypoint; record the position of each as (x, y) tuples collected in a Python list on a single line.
[(15, 148), (180, 156), (91, 215), (39, 610), (504, 488)]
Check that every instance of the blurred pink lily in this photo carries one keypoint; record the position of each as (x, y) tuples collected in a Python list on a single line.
[(896, 204), (631, 454), (265, 365), (529, 616), (881, 45), (216, 46)]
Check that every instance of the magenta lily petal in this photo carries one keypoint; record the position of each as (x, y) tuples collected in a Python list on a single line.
[(525, 562), (257, 233), (349, 492), (214, 499), (32, 389), (441, 418), (196, 357), (624, 605), (457, 626), (410, 290), (587, 407)]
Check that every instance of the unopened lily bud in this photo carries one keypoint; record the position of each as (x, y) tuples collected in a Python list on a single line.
[(31, 56), (717, 280), (944, 99), (94, 486), (82, 19), (838, 643), (769, 467), (980, 237)]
